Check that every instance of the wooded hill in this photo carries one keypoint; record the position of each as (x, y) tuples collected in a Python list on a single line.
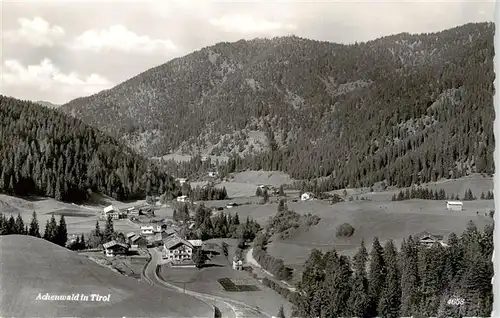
[(405, 108), (46, 153)]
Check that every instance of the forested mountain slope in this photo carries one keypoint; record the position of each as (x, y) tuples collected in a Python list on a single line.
[(405, 108), (44, 152)]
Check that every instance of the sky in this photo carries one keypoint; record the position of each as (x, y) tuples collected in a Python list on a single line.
[(59, 50)]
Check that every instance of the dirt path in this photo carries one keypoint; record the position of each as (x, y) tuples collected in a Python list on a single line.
[(228, 307), (256, 266)]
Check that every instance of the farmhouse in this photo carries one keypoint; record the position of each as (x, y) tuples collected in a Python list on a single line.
[(196, 243), (183, 198), (150, 229), (113, 248), (427, 239), (237, 263), (213, 174), (110, 211), (454, 205), (155, 240), (307, 196), (176, 249), (231, 205), (182, 180)]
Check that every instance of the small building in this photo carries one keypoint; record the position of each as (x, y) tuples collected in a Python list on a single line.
[(183, 198), (307, 196), (129, 235), (155, 239), (182, 180), (113, 248), (213, 174), (427, 239), (196, 243), (231, 205), (138, 241), (454, 205), (133, 214), (204, 158), (237, 263), (147, 230)]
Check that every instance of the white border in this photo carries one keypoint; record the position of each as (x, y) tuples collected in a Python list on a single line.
[(496, 178)]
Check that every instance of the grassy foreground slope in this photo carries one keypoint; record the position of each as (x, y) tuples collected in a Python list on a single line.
[(31, 266)]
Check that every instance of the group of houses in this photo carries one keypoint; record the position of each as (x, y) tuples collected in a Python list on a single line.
[(128, 213)]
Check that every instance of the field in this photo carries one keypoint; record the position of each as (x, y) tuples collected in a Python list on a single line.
[(377, 215), (206, 279), (131, 266), (79, 218), (31, 266)]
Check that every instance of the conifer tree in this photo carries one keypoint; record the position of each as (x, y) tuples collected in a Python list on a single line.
[(358, 300), (281, 312), (11, 225), (390, 299), (376, 276), (19, 227), (409, 277), (34, 229), (62, 232), (108, 229)]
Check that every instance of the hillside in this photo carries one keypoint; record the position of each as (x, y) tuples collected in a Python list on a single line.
[(397, 108), (43, 267), (47, 104), (46, 153)]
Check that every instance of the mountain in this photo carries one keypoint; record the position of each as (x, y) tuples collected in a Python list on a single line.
[(404, 108), (46, 153), (47, 104)]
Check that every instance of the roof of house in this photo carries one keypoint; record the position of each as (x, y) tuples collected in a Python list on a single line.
[(130, 234), (135, 238), (182, 197), (170, 231), (174, 241), (109, 208), (113, 243), (196, 243), (155, 238), (454, 202)]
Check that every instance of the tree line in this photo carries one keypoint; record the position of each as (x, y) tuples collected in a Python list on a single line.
[(452, 280), (54, 232), (428, 194)]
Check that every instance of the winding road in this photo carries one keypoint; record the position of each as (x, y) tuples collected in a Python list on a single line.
[(228, 307)]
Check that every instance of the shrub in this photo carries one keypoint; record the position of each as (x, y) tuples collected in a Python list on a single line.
[(345, 230)]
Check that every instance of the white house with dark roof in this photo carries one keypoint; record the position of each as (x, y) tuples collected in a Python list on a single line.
[(176, 249), (113, 248)]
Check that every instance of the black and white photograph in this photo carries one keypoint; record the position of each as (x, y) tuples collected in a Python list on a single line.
[(248, 159)]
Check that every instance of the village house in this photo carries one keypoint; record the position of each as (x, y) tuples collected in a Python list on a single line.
[(156, 239), (176, 249), (181, 180), (110, 211), (307, 196), (237, 263), (213, 174), (113, 248), (129, 235), (183, 198), (138, 241), (454, 205), (427, 239), (150, 229)]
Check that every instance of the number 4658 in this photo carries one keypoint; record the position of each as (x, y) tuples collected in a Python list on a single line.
[(456, 301)]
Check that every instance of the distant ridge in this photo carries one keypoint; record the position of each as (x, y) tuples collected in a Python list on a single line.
[(405, 108)]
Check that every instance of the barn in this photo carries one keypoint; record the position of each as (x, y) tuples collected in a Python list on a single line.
[(454, 205)]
